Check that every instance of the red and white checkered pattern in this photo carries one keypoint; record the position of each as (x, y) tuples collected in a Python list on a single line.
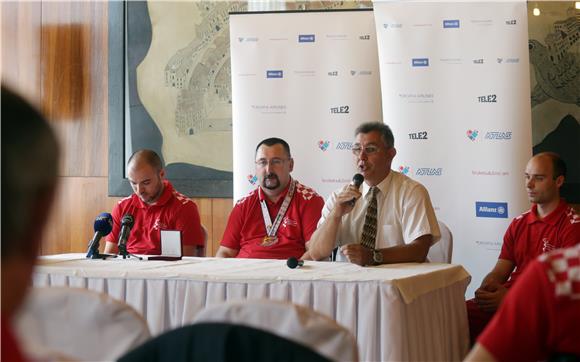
[(563, 267), (306, 192)]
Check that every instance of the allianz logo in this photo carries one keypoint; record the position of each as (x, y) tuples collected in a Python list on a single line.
[(420, 62), (450, 23), (306, 38)]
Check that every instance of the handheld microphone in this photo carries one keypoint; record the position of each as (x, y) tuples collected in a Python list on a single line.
[(294, 263), (357, 180), (102, 226), (126, 225)]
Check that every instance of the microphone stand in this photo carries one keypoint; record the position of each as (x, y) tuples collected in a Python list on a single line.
[(93, 253), (125, 254)]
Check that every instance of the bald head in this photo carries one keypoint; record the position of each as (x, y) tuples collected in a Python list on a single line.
[(145, 157), (558, 165)]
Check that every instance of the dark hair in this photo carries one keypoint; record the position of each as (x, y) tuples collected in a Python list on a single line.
[(275, 141), (149, 156), (30, 155), (558, 165), (383, 129)]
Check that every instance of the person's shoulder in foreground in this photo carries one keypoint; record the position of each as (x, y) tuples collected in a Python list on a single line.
[(540, 317)]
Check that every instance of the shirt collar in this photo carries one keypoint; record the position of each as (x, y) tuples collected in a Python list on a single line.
[(262, 195), (552, 218), (382, 186)]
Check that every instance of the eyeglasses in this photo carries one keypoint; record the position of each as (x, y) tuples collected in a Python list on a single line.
[(275, 162), (357, 149)]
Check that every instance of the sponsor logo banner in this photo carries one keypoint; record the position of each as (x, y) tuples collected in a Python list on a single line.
[(420, 62), (306, 38), (450, 24), (274, 74), (491, 209)]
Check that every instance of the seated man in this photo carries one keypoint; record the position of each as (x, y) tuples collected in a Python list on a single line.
[(30, 155), (394, 221), (549, 224), (538, 320), (277, 219), (155, 206)]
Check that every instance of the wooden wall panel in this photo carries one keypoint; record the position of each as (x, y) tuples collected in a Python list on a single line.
[(20, 28), (220, 212), (74, 68)]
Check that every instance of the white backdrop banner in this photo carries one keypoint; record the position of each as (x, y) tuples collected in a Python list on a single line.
[(455, 91), (310, 78)]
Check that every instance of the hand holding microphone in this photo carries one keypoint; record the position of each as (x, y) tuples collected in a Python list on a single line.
[(357, 180)]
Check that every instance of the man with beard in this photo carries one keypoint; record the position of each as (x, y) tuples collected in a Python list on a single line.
[(275, 220), (155, 206), (393, 222)]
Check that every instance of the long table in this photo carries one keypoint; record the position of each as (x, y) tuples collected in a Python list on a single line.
[(397, 312)]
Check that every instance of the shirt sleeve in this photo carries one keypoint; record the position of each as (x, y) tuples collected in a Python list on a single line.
[(233, 232), (519, 330), (418, 217), (571, 234), (189, 223), (116, 214), (310, 216)]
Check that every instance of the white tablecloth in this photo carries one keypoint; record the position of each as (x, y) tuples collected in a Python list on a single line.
[(396, 312)]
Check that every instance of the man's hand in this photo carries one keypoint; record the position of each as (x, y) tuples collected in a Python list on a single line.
[(357, 254), (490, 296), (344, 204)]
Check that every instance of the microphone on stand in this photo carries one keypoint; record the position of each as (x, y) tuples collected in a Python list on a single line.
[(127, 223), (102, 226), (294, 263), (357, 180)]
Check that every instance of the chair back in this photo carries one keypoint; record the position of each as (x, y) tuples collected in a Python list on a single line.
[(442, 251), (78, 324), (221, 342), (294, 322)]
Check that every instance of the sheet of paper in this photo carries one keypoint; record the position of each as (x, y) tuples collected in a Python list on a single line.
[(171, 242)]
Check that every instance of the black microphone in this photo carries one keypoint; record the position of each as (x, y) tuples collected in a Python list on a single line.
[(102, 226), (294, 263), (126, 225), (357, 180)]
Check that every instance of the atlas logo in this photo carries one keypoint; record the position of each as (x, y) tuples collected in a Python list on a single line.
[(420, 62), (491, 209), (418, 135), (252, 179), (334, 73), (450, 24), (344, 145), (498, 135), (478, 61), (429, 171), (306, 38), (275, 74), (323, 145), (472, 134), (511, 22), (404, 169), (365, 37), (247, 39), (491, 98), (341, 109)]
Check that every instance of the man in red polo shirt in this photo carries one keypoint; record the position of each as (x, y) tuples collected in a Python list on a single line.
[(155, 206), (550, 224), (277, 219)]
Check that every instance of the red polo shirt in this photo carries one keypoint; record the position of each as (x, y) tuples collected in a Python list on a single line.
[(245, 230), (527, 237), (173, 211)]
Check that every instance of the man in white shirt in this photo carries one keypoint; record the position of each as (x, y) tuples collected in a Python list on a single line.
[(403, 227)]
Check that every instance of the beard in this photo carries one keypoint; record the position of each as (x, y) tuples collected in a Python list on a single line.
[(271, 181)]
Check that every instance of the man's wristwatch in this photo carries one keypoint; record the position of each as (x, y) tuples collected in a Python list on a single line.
[(377, 257)]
